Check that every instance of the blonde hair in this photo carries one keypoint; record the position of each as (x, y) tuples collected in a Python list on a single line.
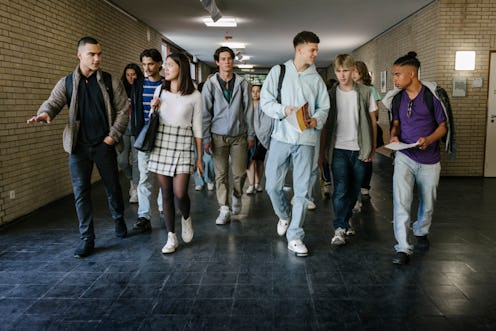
[(344, 60)]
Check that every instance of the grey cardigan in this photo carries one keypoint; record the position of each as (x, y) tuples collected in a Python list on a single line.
[(117, 109)]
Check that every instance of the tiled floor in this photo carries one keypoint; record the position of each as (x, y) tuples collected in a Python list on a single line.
[(241, 276)]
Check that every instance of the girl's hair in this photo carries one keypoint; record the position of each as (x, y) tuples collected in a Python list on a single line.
[(186, 85), (139, 76), (409, 59), (363, 72)]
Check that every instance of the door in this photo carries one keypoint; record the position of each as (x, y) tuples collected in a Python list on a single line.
[(490, 156)]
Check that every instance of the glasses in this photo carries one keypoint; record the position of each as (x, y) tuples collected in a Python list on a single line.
[(409, 111)]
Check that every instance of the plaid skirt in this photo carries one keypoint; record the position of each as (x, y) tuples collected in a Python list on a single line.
[(173, 152)]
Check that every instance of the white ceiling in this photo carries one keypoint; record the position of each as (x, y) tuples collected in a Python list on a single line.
[(268, 26)]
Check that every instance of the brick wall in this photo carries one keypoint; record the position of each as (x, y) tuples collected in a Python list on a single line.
[(435, 33), (37, 47)]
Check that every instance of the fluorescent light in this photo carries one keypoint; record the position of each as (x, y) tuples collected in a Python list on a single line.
[(222, 22), (465, 60), (234, 45), (245, 66)]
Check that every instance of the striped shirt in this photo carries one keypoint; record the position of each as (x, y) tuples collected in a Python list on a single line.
[(149, 88)]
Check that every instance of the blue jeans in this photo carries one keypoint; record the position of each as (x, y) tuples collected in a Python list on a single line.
[(278, 161), (146, 187), (407, 173), (81, 166), (347, 173), (208, 174)]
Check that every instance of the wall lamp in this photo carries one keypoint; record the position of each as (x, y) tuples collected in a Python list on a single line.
[(465, 60)]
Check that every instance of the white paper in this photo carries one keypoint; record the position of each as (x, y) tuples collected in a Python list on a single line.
[(291, 119), (397, 146)]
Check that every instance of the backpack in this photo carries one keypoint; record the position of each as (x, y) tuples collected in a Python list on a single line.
[(264, 124), (449, 138), (107, 79)]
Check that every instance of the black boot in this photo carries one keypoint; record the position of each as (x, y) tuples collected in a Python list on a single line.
[(85, 248), (401, 258), (120, 228)]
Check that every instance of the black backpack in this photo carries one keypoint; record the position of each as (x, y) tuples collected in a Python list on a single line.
[(449, 138), (264, 124), (107, 79)]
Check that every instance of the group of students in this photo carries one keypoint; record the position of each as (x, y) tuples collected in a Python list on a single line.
[(218, 121)]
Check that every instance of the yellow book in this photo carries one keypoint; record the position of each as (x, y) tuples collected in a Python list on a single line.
[(300, 118)]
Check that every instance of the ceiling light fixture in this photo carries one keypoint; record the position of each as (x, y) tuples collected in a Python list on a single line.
[(234, 45), (223, 22), (245, 66)]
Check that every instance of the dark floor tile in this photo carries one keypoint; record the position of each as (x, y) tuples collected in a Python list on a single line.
[(207, 307), (219, 278), (12, 306), (141, 291), (216, 291), (187, 278), (254, 291), (29, 291), (262, 307), (87, 309), (179, 291), (165, 322), (49, 307), (201, 322), (178, 306)]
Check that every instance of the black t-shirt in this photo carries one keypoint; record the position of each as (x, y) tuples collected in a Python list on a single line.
[(92, 115)]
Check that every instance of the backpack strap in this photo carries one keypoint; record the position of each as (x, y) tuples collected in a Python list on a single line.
[(107, 80), (281, 78), (68, 88), (395, 108), (429, 102)]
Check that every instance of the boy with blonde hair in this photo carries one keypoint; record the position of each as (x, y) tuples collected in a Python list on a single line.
[(348, 140)]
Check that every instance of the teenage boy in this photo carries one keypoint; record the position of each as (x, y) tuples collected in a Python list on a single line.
[(301, 84), (141, 96), (349, 142), (227, 130), (98, 117), (414, 122)]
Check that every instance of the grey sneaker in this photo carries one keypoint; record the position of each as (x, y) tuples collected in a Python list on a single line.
[(338, 238), (282, 227), (236, 205), (224, 216)]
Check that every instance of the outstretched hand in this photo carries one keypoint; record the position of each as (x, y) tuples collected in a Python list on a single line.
[(43, 117)]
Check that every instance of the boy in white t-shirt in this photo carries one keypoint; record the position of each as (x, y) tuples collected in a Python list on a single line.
[(348, 141)]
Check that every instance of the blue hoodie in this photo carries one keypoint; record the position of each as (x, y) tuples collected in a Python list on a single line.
[(297, 89)]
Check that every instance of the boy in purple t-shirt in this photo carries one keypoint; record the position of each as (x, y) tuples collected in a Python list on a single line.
[(414, 122)]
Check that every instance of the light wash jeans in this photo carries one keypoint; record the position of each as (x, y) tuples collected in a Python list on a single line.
[(130, 170), (277, 166), (146, 187), (407, 173), (208, 173)]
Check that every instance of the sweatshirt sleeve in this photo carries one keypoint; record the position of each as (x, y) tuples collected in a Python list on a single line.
[(207, 110), (248, 104), (197, 115), (322, 106), (56, 101), (268, 95)]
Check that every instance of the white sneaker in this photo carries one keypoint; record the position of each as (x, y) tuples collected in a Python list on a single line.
[(358, 207), (210, 186), (186, 229), (250, 189), (258, 188), (224, 216), (236, 205), (198, 187), (171, 245), (298, 247), (311, 205), (338, 238), (282, 227)]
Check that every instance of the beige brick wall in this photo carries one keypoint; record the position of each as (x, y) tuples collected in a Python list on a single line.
[(38, 46), (435, 33)]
